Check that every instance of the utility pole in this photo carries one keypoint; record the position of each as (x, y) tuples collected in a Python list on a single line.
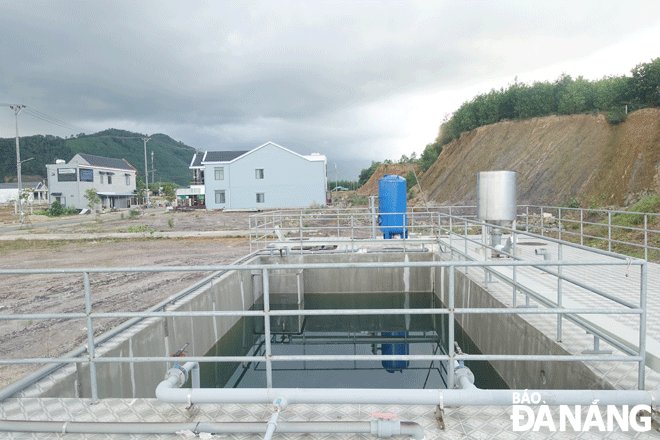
[(17, 109), (336, 178), (153, 176), (146, 171)]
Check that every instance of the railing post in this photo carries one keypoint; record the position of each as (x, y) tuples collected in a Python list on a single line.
[(250, 228), (581, 227), (269, 354), (609, 231), (559, 222), (301, 233), (352, 234), (484, 242), (642, 325), (527, 218), (450, 338), (451, 232), (90, 339), (515, 282), (646, 237), (466, 243), (412, 221), (560, 267)]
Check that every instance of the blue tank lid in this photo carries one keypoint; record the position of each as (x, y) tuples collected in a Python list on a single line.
[(393, 178)]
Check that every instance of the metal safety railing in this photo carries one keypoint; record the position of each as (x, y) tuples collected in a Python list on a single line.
[(600, 228), (307, 227), (621, 307), (630, 233)]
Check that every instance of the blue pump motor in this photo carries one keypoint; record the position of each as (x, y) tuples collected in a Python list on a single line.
[(395, 349)]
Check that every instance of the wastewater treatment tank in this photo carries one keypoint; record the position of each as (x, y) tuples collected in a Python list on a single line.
[(392, 206), (496, 196)]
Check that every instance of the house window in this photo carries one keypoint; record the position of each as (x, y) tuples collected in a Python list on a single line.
[(67, 175), (220, 174), (86, 175), (109, 179), (128, 179), (100, 177), (259, 173), (220, 197), (260, 197)]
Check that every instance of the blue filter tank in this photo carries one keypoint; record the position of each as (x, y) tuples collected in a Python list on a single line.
[(392, 206)]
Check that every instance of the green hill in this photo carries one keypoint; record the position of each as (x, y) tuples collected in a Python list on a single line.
[(171, 158)]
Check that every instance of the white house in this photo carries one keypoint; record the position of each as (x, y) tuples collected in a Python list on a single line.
[(9, 192), (114, 180), (269, 176)]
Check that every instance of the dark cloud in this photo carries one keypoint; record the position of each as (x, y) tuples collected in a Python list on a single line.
[(342, 78)]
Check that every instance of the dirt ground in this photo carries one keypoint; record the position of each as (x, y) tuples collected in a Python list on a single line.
[(22, 294)]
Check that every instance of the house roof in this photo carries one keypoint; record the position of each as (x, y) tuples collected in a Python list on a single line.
[(197, 160), (106, 162), (200, 159), (221, 156), (14, 185)]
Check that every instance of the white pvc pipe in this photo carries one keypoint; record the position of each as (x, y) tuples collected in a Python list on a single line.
[(384, 428), (478, 397)]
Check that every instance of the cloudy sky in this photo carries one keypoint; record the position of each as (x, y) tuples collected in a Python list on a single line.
[(355, 80)]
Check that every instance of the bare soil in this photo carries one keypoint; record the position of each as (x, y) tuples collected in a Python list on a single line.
[(23, 294), (556, 158), (370, 188)]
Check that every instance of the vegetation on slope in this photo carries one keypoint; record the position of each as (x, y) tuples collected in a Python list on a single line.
[(615, 96), (566, 95), (557, 158), (44, 150), (171, 158)]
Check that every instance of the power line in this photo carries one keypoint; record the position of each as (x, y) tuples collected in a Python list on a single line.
[(53, 120)]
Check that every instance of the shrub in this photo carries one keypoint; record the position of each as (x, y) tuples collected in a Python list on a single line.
[(573, 203), (359, 200), (56, 209), (650, 203), (616, 116), (410, 180)]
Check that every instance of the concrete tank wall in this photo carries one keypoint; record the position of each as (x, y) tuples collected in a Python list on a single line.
[(351, 280), (161, 337), (510, 334), (493, 334)]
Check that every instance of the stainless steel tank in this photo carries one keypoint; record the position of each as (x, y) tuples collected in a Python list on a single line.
[(496, 196)]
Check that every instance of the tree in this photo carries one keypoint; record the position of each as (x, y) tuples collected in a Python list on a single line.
[(429, 155), (139, 189), (154, 188), (646, 83), (411, 181), (169, 193), (92, 198), (366, 173)]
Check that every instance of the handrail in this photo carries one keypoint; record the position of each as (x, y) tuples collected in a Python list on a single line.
[(262, 224), (266, 313)]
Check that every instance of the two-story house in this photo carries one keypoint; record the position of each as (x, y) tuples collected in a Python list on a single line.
[(114, 180), (269, 176)]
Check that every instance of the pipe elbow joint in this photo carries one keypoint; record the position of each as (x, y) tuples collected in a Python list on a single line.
[(413, 429)]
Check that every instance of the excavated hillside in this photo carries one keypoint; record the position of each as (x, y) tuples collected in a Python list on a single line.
[(556, 158), (370, 188)]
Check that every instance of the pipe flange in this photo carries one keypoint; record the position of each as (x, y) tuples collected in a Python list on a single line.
[(180, 373)]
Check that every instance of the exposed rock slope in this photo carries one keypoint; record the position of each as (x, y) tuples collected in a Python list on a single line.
[(556, 157)]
